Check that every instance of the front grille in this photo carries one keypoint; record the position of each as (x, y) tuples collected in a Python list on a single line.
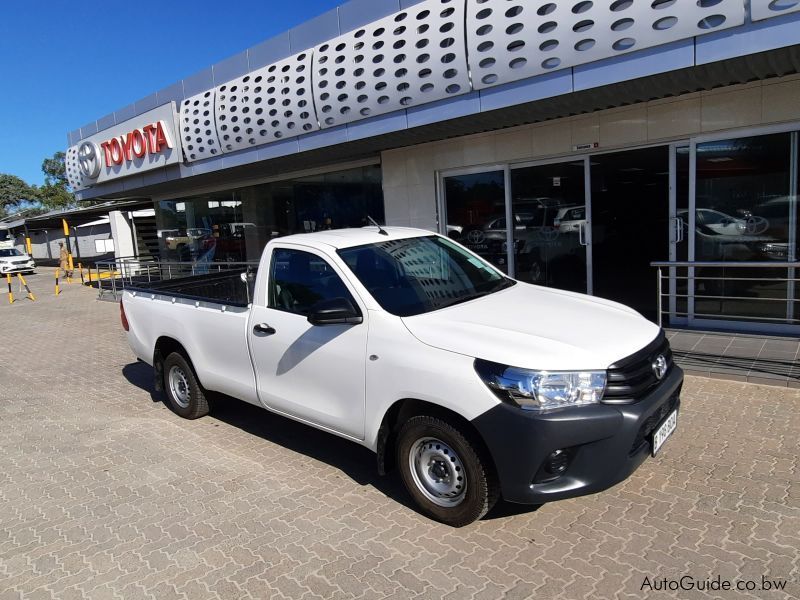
[(650, 424), (631, 378), (19, 262)]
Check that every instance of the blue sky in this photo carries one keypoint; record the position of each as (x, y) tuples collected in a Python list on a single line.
[(64, 64)]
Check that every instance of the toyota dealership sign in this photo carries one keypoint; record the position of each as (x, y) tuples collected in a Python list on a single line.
[(148, 141)]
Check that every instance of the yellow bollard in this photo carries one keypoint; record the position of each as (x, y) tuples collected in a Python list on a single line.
[(27, 289), (80, 268), (58, 290), (10, 293)]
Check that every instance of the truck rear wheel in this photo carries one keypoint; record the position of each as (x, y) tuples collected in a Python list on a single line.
[(446, 474), (185, 395)]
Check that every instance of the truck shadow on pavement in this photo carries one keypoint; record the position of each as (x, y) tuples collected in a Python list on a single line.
[(353, 460)]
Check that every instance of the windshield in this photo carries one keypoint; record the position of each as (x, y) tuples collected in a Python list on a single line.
[(419, 275), (10, 252)]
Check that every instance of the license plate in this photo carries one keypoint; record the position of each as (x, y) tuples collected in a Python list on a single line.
[(664, 431)]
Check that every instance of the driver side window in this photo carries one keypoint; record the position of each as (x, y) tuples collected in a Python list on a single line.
[(298, 280)]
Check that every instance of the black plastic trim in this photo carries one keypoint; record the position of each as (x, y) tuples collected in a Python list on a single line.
[(601, 437)]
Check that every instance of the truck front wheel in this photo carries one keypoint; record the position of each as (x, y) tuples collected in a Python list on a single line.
[(185, 395), (446, 474)]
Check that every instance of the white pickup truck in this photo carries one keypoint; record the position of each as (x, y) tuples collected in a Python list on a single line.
[(473, 385)]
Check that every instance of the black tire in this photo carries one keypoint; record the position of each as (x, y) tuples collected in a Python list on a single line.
[(193, 403), (420, 434)]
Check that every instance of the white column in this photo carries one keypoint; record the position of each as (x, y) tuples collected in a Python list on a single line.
[(122, 233)]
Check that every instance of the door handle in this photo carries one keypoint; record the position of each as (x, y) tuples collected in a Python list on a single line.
[(677, 228), (582, 234), (264, 329)]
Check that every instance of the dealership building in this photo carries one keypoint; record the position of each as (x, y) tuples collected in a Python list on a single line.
[(572, 143)]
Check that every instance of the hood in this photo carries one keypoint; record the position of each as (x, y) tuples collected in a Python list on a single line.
[(14, 258), (537, 328)]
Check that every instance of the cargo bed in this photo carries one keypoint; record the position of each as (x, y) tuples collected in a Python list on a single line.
[(219, 288)]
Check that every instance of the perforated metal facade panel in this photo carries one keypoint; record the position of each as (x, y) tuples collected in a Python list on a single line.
[(432, 50), (74, 174), (509, 40), (198, 127), (266, 105), (409, 58), (766, 9)]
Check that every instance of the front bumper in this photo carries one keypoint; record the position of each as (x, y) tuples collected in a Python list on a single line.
[(605, 441), (9, 268)]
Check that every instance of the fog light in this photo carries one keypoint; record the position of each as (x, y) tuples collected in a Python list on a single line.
[(557, 462), (554, 466)]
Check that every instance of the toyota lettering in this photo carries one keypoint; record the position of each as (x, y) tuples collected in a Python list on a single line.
[(150, 139)]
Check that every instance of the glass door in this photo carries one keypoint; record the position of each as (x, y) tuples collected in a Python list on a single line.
[(476, 214), (630, 224), (550, 213), (679, 289)]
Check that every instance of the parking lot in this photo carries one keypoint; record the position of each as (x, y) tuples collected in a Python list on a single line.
[(104, 493)]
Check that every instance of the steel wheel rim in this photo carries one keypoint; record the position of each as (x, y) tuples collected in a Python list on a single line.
[(179, 386), (438, 472)]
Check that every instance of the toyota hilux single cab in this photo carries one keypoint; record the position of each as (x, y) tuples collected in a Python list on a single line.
[(472, 385)]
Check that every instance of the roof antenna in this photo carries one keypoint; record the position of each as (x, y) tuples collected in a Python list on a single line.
[(381, 230)]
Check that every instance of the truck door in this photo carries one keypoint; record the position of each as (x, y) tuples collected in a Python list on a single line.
[(313, 373)]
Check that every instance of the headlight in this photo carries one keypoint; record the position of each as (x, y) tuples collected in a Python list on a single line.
[(542, 390)]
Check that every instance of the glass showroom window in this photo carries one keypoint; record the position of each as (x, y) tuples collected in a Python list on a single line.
[(475, 206), (745, 210), (236, 225), (207, 228), (336, 200)]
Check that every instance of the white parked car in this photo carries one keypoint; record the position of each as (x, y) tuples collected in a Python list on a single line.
[(14, 261), (570, 219), (473, 385), (714, 222)]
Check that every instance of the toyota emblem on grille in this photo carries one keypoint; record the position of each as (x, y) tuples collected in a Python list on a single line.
[(660, 367)]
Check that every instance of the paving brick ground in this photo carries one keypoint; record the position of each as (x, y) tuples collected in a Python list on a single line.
[(104, 493)]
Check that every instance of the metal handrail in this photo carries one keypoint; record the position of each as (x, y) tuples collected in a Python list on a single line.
[(720, 263), (790, 279)]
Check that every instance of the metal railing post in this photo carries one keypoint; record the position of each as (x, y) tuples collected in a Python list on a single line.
[(777, 272), (660, 298)]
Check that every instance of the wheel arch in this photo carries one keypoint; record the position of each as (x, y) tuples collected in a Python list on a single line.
[(165, 346), (406, 408)]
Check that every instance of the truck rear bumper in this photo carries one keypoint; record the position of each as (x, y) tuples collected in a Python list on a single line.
[(601, 444)]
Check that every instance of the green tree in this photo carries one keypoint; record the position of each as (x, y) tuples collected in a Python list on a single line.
[(55, 193), (14, 191), (55, 196), (55, 173)]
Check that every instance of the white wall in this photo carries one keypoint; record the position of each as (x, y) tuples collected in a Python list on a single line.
[(44, 243)]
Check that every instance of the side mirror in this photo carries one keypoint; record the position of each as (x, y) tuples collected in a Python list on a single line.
[(336, 311)]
